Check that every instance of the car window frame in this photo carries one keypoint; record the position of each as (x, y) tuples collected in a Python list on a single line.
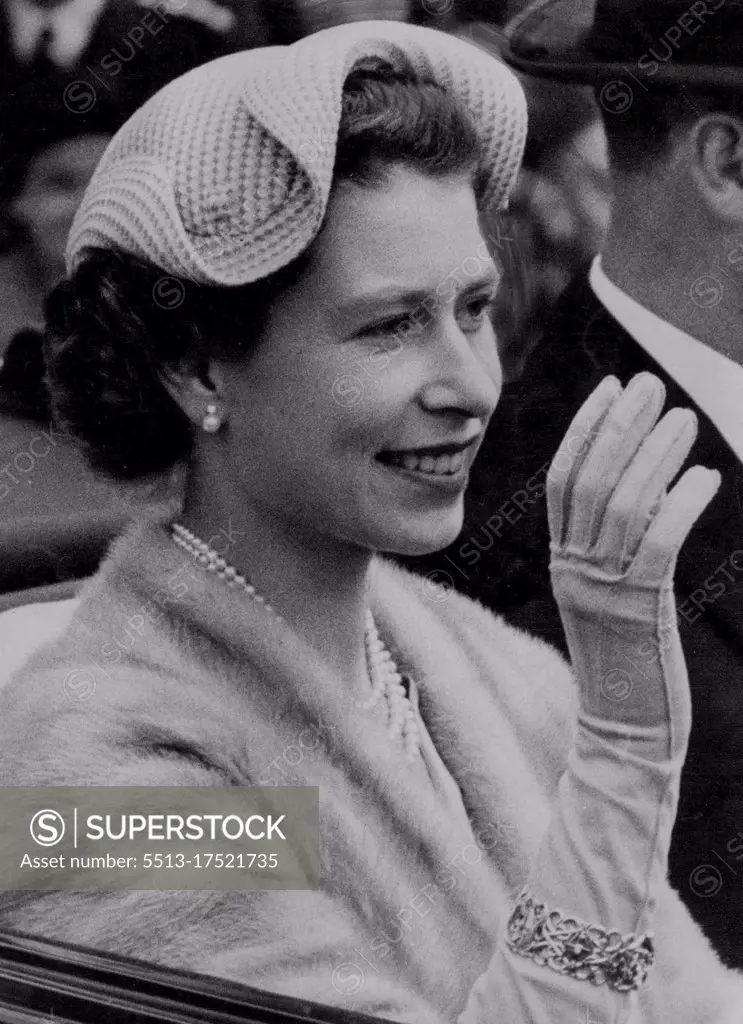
[(42, 980)]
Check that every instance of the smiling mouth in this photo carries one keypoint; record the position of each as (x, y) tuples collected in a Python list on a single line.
[(440, 460)]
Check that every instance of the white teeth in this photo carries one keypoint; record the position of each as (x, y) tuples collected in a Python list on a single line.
[(444, 465)]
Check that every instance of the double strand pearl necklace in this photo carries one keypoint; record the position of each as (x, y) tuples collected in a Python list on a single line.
[(386, 681)]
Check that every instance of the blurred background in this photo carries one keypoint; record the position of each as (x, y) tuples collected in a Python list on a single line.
[(71, 72)]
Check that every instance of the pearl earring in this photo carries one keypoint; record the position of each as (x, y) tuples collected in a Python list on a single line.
[(212, 421)]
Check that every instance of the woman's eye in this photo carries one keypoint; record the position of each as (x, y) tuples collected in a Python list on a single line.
[(476, 312), (389, 327)]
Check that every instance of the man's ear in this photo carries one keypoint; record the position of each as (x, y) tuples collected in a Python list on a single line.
[(195, 386), (716, 164)]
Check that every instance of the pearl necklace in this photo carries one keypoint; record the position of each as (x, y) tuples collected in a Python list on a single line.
[(386, 681)]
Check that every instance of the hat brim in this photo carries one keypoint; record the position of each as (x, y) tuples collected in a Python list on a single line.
[(582, 68), (546, 41), (225, 175)]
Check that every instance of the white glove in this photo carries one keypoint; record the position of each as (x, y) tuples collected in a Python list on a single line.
[(616, 534), (578, 944)]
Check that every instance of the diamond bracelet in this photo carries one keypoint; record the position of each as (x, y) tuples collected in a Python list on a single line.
[(583, 951)]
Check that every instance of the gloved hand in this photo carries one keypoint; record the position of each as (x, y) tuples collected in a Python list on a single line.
[(579, 942), (616, 535)]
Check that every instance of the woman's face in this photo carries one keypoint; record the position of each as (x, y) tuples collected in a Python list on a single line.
[(360, 412)]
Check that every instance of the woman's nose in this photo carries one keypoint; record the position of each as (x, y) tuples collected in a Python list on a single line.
[(466, 376)]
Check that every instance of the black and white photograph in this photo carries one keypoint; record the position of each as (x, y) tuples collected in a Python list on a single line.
[(371, 511)]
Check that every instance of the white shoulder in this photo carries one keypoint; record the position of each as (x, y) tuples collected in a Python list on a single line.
[(26, 629)]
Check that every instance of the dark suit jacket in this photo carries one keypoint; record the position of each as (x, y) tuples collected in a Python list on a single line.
[(502, 558), (131, 52)]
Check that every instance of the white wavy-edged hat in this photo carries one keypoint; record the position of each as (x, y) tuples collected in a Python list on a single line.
[(223, 177)]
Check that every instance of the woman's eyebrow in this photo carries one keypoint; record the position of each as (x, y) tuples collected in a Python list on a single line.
[(365, 303), (382, 297), (491, 279)]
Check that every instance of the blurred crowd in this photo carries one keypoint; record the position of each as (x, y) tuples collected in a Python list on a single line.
[(73, 70)]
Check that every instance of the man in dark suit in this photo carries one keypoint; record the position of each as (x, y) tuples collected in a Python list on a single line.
[(665, 296), (93, 62)]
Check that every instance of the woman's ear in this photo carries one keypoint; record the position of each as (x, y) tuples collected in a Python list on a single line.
[(716, 165), (197, 387)]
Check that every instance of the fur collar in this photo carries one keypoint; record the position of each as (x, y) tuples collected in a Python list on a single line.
[(204, 689)]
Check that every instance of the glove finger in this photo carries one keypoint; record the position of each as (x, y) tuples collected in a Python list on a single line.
[(566, 464), (679, 510), (624, 429), (643, 487)]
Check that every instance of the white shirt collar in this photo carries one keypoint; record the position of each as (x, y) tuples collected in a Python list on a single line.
[(71, 24), (710, 379)]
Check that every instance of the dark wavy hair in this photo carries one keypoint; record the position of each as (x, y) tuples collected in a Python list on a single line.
[(118, 322)]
